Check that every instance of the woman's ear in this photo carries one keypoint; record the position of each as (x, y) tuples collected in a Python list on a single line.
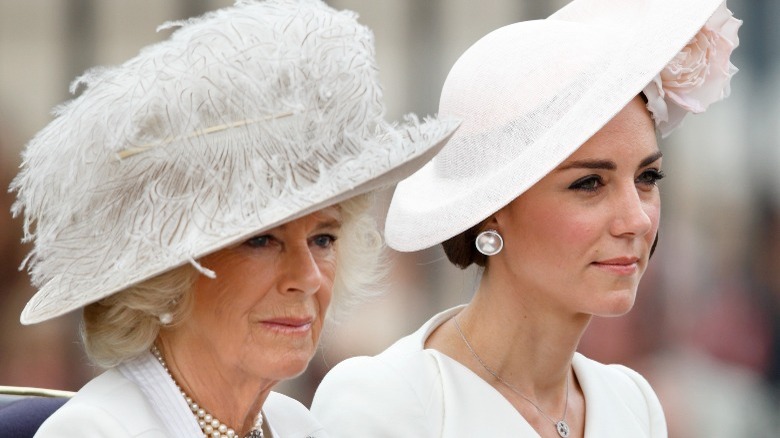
[(492, 222)]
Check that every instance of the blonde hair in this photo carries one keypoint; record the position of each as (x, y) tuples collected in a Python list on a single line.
[(124, 325), (360, 266)]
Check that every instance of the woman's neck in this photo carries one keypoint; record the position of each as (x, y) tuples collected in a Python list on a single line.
[(512, 332), (228, 396), (524, 350)]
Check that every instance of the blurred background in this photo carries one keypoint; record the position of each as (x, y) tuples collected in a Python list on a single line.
[(706, 328)]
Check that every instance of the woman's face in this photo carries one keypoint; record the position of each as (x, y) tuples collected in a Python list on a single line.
[(264, 312), (580, 238)]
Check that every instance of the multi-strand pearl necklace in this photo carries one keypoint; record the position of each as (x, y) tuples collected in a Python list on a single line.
[(210, 426)]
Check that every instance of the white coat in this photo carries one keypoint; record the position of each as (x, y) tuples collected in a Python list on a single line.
[(139, 400), (408, 391)]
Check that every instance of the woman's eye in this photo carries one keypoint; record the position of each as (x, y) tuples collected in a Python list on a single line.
[(590, 183), (650, 177), (259, 241), (324, 240)]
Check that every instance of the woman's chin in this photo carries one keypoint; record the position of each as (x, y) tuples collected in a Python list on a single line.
[(288, 368), (618, 304)]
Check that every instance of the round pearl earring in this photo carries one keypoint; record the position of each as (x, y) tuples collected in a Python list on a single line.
[(489, 242), (166, 318)]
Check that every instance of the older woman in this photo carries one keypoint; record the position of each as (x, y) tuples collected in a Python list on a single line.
[(203, 202), (550, 185)]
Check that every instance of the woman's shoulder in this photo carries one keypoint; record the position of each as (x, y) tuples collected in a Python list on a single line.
[(98, 410), (618, 391), (356, 395), (618, 377), (288, 417), (404, 363)]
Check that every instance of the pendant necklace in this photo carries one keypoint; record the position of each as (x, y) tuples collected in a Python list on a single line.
[(561, 426)]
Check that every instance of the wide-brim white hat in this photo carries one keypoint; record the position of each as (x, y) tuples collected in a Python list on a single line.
[(529, 94), (244, 119)]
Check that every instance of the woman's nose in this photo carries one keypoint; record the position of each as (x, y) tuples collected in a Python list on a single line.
[(630, 215), (300, 271)]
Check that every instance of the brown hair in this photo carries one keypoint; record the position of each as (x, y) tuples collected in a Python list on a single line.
[(460, 249)]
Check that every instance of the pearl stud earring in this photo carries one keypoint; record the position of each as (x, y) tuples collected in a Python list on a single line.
[(166, 318), (489, 242)]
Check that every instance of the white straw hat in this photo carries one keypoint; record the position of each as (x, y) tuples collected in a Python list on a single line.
[(246, 118), (531, 93)]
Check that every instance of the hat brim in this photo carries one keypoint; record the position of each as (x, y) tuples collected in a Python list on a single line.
[(430, 207), (424, 140)]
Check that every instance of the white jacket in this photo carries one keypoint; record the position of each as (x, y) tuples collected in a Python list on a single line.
[(139, 399), (408, 391)]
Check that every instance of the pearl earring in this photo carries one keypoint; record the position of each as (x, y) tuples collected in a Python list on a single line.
[(166, 318), (489, 242)]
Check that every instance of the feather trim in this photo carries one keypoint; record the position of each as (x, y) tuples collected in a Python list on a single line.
[(245, 117)]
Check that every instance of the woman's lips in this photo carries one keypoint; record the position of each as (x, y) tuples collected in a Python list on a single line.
[(290, 326), (618, 265)]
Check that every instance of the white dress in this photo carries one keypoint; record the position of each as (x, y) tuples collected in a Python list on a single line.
[(409, 391), (139, 399)]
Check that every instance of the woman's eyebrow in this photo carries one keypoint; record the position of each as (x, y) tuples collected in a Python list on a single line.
[(589, 164), (655, 157), (606, 164), (329, 223)]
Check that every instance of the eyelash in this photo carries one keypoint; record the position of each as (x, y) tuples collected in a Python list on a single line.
[(652, 177), (263, 240), (331, 240), (649, 177), (259, 241)]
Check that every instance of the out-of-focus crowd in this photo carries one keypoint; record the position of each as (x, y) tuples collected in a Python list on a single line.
[(705, 330)]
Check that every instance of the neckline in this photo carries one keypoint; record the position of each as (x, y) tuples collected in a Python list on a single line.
[(440, 318)]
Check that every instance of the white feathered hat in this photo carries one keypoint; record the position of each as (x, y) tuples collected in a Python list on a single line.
[(244, 119), (531, 93)]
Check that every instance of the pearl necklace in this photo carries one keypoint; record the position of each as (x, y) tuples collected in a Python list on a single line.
[(561, 426), (210, 426)]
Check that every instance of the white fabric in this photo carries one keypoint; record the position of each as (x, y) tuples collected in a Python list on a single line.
[(530, 94), (147, 373), (140, 400), (408, 391)]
